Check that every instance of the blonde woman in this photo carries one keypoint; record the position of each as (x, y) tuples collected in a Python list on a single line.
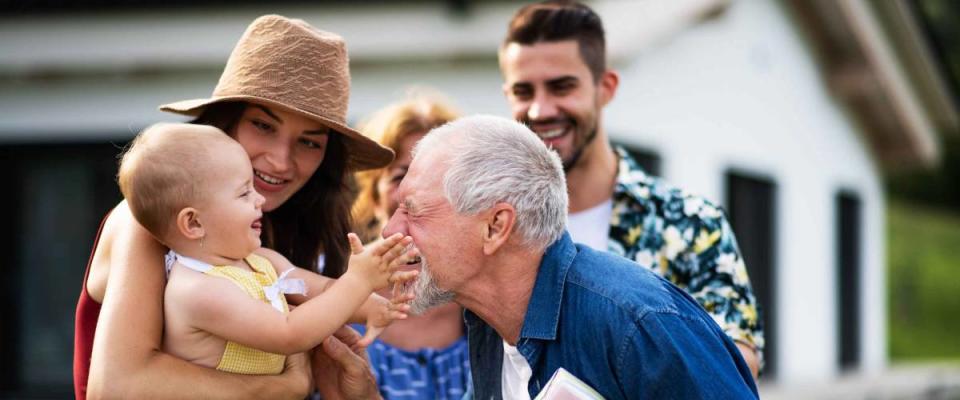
[(422, 357)]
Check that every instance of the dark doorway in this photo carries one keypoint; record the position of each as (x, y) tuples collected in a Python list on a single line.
[(648, 159), (848, 243), (751, 206), (56, 197)]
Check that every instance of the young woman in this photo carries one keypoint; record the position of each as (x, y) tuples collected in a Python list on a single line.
[(283, 96), (422, 357)]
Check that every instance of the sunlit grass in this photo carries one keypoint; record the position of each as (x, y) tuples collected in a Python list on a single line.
[(923, 283)]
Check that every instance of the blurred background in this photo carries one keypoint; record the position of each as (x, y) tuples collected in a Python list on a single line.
[(827, 128)]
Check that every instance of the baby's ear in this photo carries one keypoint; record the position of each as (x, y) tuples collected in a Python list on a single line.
[(188, 224)]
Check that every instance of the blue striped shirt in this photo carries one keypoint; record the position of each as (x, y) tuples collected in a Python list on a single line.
[(422, 374)]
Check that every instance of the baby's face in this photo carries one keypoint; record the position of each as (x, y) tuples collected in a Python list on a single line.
[(231, 209)]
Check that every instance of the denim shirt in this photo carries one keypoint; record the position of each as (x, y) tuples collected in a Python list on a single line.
[(623, 330)]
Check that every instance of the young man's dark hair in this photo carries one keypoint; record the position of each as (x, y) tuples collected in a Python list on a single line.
[(557, 20)]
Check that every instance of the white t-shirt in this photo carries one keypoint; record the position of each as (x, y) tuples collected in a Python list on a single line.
[(592, 226), (516, 374)]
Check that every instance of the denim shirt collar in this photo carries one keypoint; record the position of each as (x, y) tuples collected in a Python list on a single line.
[(540, 324), (543, 310)]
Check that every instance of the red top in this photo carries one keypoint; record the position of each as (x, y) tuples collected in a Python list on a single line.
[(88, 311)]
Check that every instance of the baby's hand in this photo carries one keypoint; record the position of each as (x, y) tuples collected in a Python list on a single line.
[(387, 312), (378, 262), (402, 290)]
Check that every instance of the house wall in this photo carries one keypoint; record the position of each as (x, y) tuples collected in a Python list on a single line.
[(742, 91)]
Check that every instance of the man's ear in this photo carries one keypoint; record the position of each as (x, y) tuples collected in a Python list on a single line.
[(607, 86), (500, 222), (188, 224), (505, 88)]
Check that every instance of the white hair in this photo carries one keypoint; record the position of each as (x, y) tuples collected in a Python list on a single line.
[(494, 159)]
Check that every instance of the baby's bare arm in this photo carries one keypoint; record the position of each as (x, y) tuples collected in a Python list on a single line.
[(216, 306), (127, 361)]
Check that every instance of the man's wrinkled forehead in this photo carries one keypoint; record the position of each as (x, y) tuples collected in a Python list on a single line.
[(424, 174)]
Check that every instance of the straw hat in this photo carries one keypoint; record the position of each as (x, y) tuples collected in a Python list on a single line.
[(289, 64)]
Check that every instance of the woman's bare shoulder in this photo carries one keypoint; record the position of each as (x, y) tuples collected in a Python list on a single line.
[(120, 221), (99, 272), (119, 229)]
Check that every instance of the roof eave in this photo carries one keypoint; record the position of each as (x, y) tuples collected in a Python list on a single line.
[(863, 68)]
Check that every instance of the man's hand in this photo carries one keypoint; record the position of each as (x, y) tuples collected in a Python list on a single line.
[(750, 356), (342, 373), (296, 372)]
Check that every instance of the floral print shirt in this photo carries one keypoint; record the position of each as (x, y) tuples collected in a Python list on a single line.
[(687, 240)]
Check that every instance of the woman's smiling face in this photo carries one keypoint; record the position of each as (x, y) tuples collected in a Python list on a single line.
[(285, 150)]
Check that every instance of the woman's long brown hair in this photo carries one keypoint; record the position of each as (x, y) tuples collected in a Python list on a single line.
[(316, 218)]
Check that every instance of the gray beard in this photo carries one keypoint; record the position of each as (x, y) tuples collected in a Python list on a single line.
[(428, 294)]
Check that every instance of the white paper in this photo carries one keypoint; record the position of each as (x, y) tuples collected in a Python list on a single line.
[(564, 386)]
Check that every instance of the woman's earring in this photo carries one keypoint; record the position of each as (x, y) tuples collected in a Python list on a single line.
[(201, 241)]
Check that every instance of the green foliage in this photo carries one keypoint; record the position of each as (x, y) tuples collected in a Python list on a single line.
[(923, 243), (923, 282), (940, 187), (939, 19)]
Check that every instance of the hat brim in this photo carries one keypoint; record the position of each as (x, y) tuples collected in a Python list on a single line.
[(363, 153)]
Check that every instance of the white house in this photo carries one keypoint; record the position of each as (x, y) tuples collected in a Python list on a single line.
[(785, 112)]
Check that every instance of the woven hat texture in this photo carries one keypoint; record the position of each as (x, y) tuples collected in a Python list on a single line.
[(287, 63)]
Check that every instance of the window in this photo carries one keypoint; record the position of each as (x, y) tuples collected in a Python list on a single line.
[(57, 195), (848, 242), (751, 207), (648, 159)]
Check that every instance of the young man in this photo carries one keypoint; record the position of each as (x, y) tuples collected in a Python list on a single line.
[(485, 203), (557, 83)]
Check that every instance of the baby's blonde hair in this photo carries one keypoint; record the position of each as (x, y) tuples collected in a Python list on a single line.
[(159, 172)]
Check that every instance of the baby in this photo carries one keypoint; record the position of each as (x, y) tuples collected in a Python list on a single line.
[(225, 303)]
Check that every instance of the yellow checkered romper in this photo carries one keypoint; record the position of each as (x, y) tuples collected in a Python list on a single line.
[(237, 358)]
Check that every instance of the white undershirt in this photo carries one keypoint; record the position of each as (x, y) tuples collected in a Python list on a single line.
[(516, 374), (591, 226)]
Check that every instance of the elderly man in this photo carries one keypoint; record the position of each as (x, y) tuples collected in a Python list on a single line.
[(485, 202)]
